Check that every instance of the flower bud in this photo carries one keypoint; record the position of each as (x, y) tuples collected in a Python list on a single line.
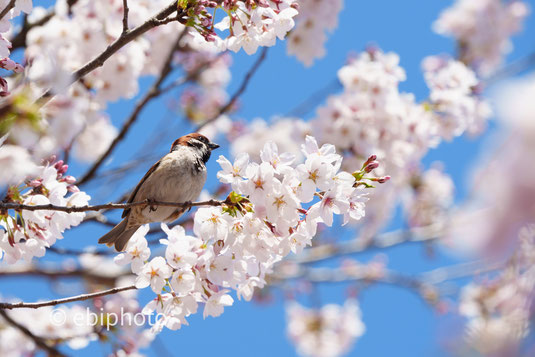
[(383, 179), (58, 164), (35, 183), (371, 166), (69, 179), (73, 188)]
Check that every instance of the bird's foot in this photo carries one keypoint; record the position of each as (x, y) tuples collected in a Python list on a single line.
[(150, 204), (187, 206)]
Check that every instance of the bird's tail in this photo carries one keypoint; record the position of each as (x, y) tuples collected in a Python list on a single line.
[(118, 236)]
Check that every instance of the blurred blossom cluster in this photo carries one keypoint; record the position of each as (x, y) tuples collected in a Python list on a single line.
[(454, 98), (504, 194), (202, 100), (27, 234), (236, 245), (482, 29), (307, 40), (329, 331), (499, 311), (430, 199), (43, 323), (79, 325)]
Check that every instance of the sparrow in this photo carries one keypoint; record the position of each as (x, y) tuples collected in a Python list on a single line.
[(179, 177)]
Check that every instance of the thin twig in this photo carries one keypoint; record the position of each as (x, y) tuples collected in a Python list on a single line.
[(19, 40), (125, 16), (191, 76), (340, 275), (314, 99), (67, 251), (389, 239), (81, 297), (152, 93), (159, 19), (90, 275), (37, 340), (511, 69), (7, 9), (107, 206), (239, 92)]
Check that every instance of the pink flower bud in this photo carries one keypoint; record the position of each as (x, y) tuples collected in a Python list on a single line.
[(69, 179), (58, 164), (383, 179), (370, 159), (73, 188), (371, 166), (35, 183)]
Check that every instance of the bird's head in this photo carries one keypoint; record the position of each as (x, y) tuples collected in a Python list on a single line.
[(198, 142)]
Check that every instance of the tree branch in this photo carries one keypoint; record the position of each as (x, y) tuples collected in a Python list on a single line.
[(125, 16), (152, 93), (316, 97), (239, 92), (37, 340), (159, 19), (7, 9), (338, 275), (107, 206), (88, 274), (81, 297), (510, 69)]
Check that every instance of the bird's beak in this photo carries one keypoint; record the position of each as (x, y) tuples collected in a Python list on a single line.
[(213, 146)]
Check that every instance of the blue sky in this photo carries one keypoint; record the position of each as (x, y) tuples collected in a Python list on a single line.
[(397, 321)]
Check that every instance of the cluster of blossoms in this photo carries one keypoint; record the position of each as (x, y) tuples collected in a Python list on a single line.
[(499, 311), (327, 332), (250, 23), (236, 245), (454, 97), (482, 29), (307, 40), (371, 116), (27, 234), (5, 45), (430, 199)]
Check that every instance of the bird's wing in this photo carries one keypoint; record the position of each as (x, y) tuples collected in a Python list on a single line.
[(133, 194)]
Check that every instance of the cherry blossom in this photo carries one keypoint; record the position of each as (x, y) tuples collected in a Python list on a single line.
[(154, 274), (327, 332), (40, 229), (307, 40), (482, 29)]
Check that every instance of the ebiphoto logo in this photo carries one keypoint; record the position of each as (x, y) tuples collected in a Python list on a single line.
[(87, 317)]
